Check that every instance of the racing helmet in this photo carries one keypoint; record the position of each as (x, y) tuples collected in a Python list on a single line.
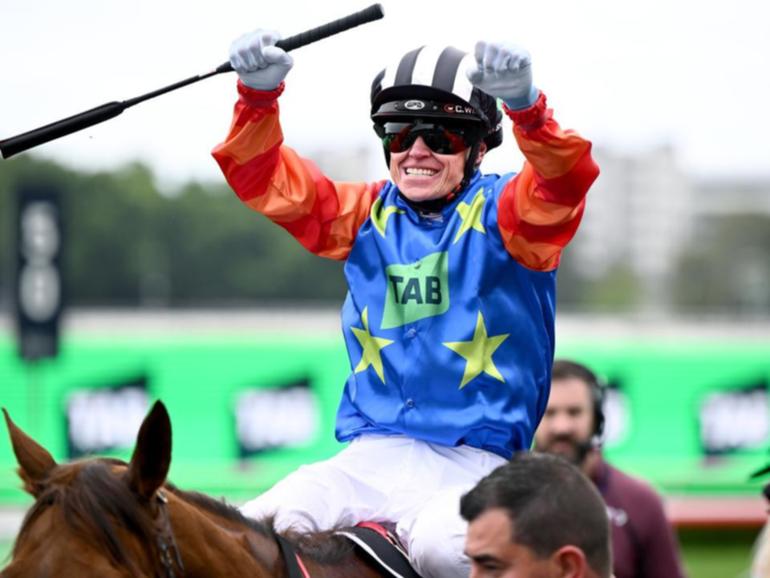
[(429, 84)]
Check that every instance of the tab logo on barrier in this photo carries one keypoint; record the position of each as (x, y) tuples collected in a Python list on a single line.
[(276, 418), (735, 419), (106, 419)]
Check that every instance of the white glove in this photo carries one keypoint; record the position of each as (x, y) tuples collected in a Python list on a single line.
[(259, 63), (504, 71)]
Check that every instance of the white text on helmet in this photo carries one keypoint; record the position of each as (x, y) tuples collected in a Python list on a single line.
[(458, 108)]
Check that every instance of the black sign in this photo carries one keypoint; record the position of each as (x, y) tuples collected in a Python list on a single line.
[(38, 287), (276, 418)]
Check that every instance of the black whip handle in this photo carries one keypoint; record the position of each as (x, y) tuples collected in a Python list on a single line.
[(65, 126)]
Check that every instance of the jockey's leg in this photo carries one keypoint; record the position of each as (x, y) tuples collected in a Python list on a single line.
[(437, 537), (344, 490), (434, 531)]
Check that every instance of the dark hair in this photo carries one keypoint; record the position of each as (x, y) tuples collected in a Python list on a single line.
[(566, 369), (550, 503)]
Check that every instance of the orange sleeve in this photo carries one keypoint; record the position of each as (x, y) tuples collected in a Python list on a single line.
[(323, 215), (541, 207)]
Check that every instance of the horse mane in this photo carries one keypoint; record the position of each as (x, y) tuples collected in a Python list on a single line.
[(222, 509), (322, 547)]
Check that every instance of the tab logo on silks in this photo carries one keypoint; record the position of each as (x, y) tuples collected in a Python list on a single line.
[(416, 291)]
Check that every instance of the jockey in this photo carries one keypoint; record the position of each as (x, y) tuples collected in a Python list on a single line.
[(449, 317)]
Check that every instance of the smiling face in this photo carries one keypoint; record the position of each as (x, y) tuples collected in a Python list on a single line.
[(422, 175)]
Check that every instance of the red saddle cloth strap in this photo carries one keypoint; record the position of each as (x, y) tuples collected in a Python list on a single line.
[(383, 547), (379, 528)]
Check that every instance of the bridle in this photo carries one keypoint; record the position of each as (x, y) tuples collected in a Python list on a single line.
[(170, 556), (168, 551)]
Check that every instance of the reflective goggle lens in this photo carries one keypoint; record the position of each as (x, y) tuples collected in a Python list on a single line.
[(398, 137)]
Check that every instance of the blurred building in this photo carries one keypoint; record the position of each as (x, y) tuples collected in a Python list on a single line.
[(733, 218), (725, 197), (640, 214)]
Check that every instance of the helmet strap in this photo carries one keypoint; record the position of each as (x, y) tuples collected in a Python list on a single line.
[(429, 207), (470, 165)]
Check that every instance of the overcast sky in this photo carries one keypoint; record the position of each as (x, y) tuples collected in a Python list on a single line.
[(629, 76)]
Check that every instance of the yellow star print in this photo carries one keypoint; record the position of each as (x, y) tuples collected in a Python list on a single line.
[(371, 347), (478, 352), (380, 216), (471, 216)]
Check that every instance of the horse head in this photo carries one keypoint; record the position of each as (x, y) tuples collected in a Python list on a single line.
[(95, 517), (105, 518)]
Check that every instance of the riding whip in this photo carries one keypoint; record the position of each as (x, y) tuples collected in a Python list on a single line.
[(65, 126)]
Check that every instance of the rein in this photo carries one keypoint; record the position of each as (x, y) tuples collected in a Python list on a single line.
[(294, 566), (167, 548)]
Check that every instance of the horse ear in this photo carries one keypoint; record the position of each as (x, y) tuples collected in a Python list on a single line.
[(152, 455), (35, 463)]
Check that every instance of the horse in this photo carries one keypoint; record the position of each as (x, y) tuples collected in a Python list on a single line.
[(103, 517)]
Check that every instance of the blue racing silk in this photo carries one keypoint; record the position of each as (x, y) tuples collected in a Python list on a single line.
[(450, 339)]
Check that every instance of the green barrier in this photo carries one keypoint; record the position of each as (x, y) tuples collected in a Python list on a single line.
[(666, 389), (677, 389), (199, 380)]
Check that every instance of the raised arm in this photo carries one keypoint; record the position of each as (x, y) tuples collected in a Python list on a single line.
[(323, 215), (540, 209)]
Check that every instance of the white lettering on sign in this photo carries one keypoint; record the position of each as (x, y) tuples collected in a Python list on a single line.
[(617, 417), (276, 418), (104, 419), (734, 420)]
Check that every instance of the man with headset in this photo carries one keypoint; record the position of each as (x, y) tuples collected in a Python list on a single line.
[(643, 544)]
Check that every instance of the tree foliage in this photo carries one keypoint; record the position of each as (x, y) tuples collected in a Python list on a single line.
[(126, 243)]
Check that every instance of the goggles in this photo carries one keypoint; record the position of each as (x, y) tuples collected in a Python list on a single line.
[(443, 139)]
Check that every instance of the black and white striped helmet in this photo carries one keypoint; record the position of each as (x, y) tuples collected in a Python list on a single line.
[(430, 82)]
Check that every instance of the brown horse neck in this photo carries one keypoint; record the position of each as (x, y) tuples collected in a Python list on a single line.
[(216, 540), (215, 546)]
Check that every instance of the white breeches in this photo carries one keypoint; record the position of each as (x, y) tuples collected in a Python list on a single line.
[(411, 483)]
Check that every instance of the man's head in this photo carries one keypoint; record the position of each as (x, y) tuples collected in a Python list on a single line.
[(574, 419), (536, 517), (434, 124)]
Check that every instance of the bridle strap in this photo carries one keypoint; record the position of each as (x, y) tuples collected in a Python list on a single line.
[(167, 548), (294, 566), (169, 551)]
